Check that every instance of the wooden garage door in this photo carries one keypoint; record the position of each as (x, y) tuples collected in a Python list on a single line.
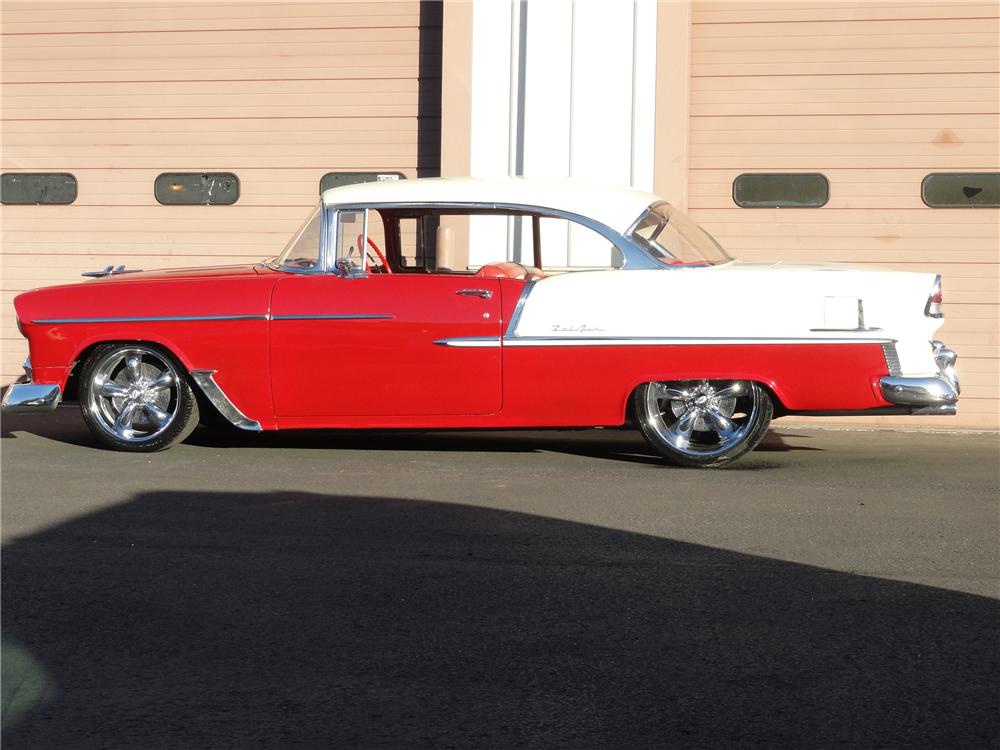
[(875, 96), (278, 93)]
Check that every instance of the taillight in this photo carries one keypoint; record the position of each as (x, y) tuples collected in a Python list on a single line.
[(934, 301)]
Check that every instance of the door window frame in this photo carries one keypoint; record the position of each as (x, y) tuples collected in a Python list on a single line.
[(633, 254)]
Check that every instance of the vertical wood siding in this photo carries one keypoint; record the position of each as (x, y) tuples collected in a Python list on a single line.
[(875, 96), (278, 92)]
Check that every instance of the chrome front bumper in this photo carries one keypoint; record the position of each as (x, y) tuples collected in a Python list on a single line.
[(25, 397), (936, 394)]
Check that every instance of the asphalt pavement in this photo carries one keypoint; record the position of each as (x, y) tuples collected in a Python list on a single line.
[(556, 589)]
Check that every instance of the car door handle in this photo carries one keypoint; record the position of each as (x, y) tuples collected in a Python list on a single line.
[(484, 293)]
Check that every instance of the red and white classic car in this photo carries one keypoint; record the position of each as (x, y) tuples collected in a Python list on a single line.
[(459, 303)]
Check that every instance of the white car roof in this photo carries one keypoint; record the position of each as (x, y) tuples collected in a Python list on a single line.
[(615, 207)]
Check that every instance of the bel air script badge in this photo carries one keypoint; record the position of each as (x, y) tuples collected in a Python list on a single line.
[(581, 328)]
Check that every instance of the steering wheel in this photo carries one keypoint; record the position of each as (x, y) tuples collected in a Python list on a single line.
[(377, 264)]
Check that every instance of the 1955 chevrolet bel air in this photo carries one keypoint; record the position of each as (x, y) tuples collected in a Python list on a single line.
[(605, 307)]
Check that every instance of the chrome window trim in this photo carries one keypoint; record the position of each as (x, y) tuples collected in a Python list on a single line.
[(297, 271), (327, 227), (635, 256), (149, 319), (206, 381), (363, 250)]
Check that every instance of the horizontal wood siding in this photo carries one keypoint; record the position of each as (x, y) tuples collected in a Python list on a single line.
[(875, 95), (277, 92)]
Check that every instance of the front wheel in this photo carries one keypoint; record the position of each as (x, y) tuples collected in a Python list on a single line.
[(703, 423), (136, 398)]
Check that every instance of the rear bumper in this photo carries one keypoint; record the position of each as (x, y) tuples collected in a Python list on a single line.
[(936, 394), (25, 397)]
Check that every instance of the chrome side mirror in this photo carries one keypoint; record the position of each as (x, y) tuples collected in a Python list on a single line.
[(348, 269)]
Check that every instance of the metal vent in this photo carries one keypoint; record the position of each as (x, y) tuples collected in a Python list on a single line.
[(892, 359)]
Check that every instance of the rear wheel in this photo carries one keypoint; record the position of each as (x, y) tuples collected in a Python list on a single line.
[(135, 397), (703, 423)]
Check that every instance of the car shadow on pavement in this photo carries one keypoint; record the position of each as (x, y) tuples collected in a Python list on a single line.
[(616, 444), (281, 619)]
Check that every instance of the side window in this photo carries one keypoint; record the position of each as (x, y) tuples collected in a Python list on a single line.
[(375, 245), (360, 242), (427, 243), (461, 242), (564, 245), (350, 235), (413, 251)]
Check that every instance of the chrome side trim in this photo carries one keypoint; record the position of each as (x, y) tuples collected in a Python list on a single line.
[(29, 398), (206, 381), (361, 316), (471, 342), (892, 359), (926, 391), (672, 341), (515, 317), (148, 319)]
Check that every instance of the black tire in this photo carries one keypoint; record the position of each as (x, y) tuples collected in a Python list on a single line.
[(703, 423), (136, 397)]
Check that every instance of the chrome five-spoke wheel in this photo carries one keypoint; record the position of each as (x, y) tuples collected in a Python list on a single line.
[(135, 397), (703, 422)]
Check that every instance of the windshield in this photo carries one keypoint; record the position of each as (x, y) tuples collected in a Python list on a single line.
[(675, 240), (302, 251)]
